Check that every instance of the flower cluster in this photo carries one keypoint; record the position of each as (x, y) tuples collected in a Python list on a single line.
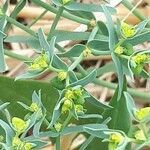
[(127, 30), (17, 143), (41, 62), (138, 61), (87, 52), (62, 75), (142, 114), (74, 97)]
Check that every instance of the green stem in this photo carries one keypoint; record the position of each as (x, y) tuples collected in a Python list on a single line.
[(19, 6), (16, 56), (36, 19), (56, 20), (21, 26), (136, 12), (93, 33), (87, 142), (76, 62), (96, 52), (64, 14), (67, 120), (58, 143)]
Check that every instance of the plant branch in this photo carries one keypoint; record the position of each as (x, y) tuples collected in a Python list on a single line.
[(64, 14)]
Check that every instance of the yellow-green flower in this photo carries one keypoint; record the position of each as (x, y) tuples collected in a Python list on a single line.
[(119, 50), (58, 126), (28, 146), (87, 52), (78, 92), (116, 138), (93, 23), (79, 109), (34, 107), (19, 124), (140, 58), (65, 1), (16, 141), (139, 135), (142, 113), (69, 94), (62, 75), (39, 63), (127, 30), (67, 105)]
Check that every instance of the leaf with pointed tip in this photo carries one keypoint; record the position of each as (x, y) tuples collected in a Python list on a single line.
[(84, 81), (75, 51), (9, 132)]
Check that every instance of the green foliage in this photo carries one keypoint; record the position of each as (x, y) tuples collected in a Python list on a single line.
[(31, 110)]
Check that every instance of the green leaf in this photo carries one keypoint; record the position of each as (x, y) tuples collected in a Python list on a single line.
[(84, 81), (120, 72), (58, 63), (2, 35), (24, 94), (67, 35), (29, 75), (44, 43), (111, 29), (98, 45), (75, 51), (9, 132), (5, 6), (82, 128), (83, 14), (141, 26), (120, 118), (138, 39), (102, 28), (120, 121), (56, 113), (18, 8), (29, 40), (109, 67), (130, 104), (37, 127), (97, 103), (3, 106), (74, 6)]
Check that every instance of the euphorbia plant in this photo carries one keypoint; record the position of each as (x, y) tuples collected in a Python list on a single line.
[(63, 105)]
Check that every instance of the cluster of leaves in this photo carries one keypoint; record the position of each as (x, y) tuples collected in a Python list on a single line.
[(51, 117)]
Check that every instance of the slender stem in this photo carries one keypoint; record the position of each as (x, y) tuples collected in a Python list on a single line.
[(21, 26), (96, 52), (36, 19), (93, 33), (87, 142), (16, 56), (76, 62), (55, 22), (58, 143), (67, 120), (136, 12), (64, 14)]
